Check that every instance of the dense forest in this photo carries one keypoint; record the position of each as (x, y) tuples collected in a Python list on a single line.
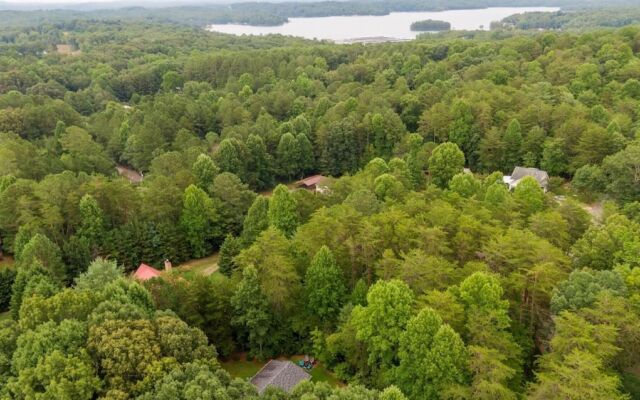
[(575, 20), (416, 274)]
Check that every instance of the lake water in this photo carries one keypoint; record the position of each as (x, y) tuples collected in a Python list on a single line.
[(392, 26)]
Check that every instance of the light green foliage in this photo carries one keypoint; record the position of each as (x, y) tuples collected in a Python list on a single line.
[(197, 219), (621, 172), (392, 393), (550, 225), (195, 380), (230, 248), (251, 312), (124, 350), (432, 357), (283, 214), (100, 273), (466, 185), (42, 251), (604, 246), (82, 154), (446, 161), (288, 156), (580, 376), (67, 337), (58, 376), (204, 170), (324, 287), (512, 145), (381, 322), (554, 157), (256, 221), (529, 196)]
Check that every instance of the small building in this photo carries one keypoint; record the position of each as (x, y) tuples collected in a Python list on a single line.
[(145, 272), (521, 172), (282, 374), (314, 183)]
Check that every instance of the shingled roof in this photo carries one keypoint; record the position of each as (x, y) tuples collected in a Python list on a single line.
[(283, 374), (520, 172)]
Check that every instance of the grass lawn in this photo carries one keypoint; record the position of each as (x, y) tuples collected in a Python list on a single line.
[(203, 266), (319, 373), (243, 368), (4, 315)]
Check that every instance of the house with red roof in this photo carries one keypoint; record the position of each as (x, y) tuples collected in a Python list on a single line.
[(315, 183), (146, 272)]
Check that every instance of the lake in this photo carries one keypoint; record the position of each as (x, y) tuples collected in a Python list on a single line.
[(393, 26)]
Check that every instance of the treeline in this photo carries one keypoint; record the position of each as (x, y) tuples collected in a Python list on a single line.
[(573, 20), (430, 25), (271, 14)]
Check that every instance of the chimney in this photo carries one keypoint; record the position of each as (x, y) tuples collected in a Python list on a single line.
[(167, 265)]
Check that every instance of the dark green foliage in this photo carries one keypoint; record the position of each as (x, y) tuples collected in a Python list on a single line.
[(583, 287), (430, 25), (230, 248), (7, 277)]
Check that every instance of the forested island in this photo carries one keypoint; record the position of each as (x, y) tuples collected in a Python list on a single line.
[(453, 217), (430, 25)]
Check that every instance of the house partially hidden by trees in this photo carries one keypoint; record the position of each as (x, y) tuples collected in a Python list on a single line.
[(315, 183), (146, 272), (521, 172), (282, 374)]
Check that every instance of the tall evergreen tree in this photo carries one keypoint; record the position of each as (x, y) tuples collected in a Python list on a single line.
[(256, 221), (306, 158), (197, 220), (512, 139), (283, 213), (251, 312), (230, 248), (324, 288), (92, 227)]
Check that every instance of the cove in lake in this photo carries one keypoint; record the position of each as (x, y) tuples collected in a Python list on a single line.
[(393, 26)]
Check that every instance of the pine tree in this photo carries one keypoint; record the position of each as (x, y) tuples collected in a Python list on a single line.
[(283, 213), (256, 221), (259, 169), (251, 312), (512, 146), (198, 215), (92, 227), (306, 158), (288, 156), (324, 287), (230, 248)]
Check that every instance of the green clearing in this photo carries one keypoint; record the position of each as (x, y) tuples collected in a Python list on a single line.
[(5, 316), (243, 368), (202, 266)]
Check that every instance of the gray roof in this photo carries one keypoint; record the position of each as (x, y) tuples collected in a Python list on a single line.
[(541, 176), (283, 374)]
